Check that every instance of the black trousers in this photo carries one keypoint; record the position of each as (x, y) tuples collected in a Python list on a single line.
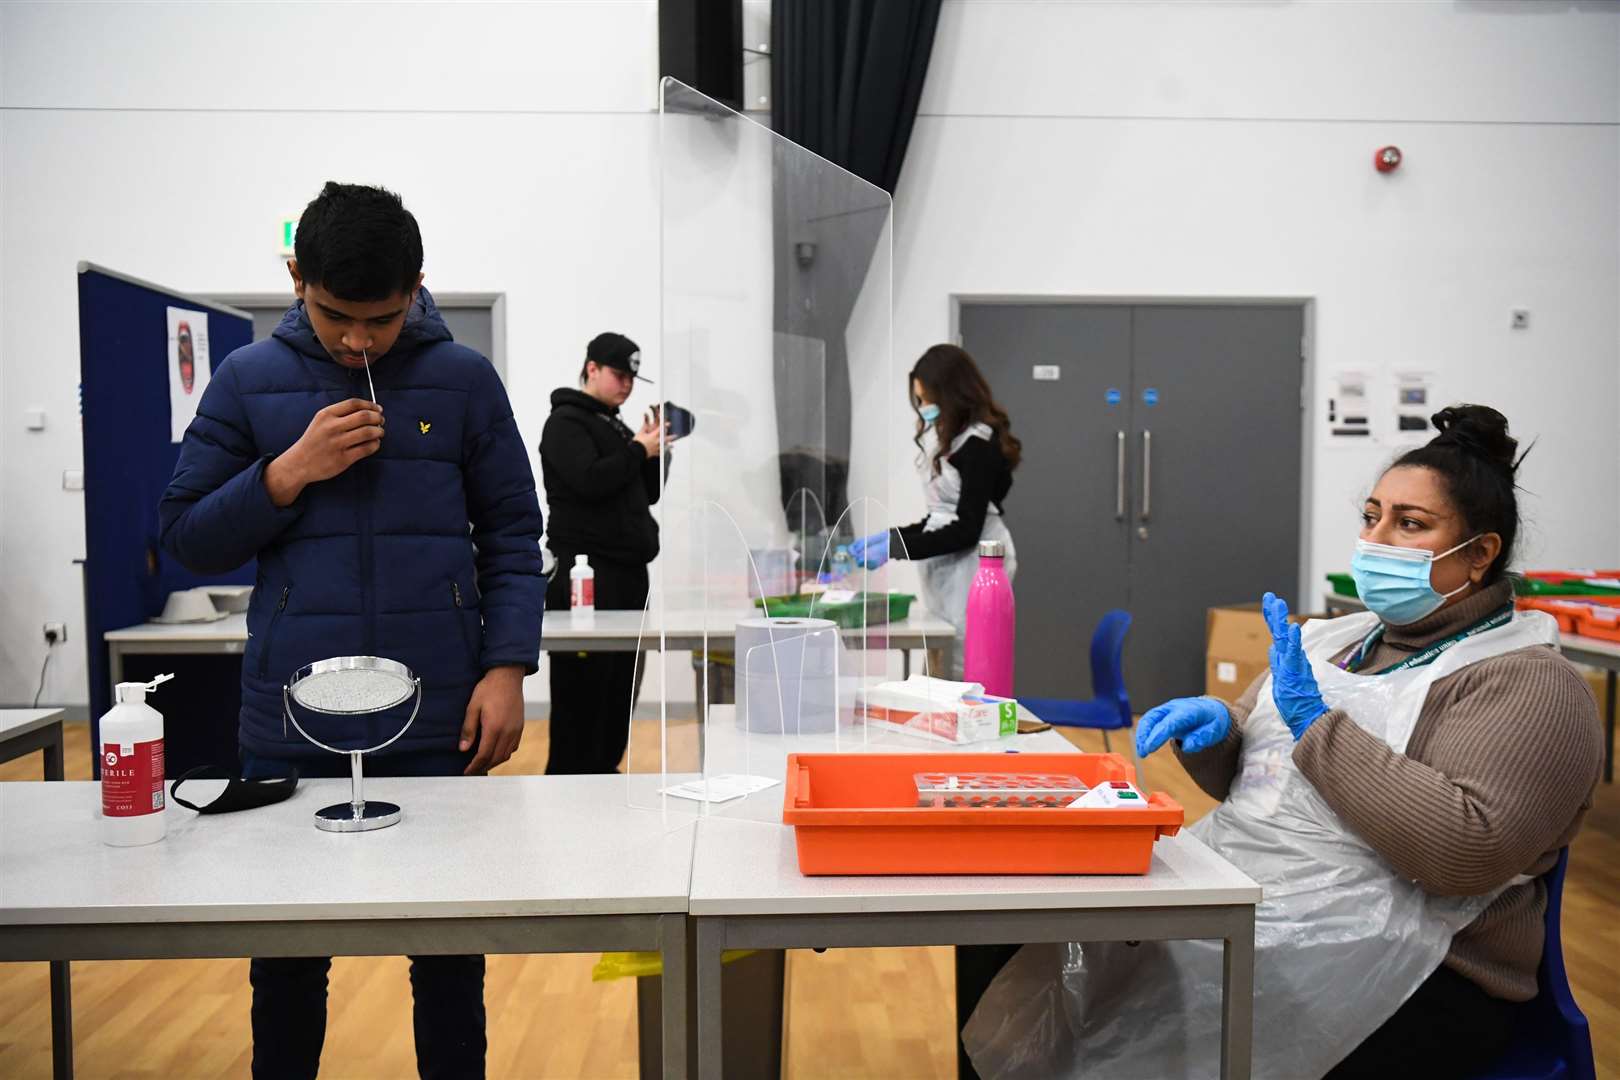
[(1449, 1027), (289, 993), (592, 693)]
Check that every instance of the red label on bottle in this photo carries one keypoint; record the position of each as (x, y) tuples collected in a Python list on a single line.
[(131, 778), (583, 593)]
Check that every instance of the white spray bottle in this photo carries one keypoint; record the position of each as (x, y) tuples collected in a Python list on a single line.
[(132, 801)]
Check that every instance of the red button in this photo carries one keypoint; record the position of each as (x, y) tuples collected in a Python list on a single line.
[(1119, 784)]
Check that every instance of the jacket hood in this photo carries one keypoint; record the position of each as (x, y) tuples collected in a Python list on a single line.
[(567, 395), (423, 325)]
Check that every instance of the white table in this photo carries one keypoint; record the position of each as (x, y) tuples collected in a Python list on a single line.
[(1594, 652), (684, 631), (608, 631), (22, 731), (748, 893), (487, 865)]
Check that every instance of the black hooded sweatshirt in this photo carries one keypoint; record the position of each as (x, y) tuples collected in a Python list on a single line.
[(599, 482)]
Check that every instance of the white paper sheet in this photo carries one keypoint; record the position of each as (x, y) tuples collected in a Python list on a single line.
[(188, 367), (719, 789)]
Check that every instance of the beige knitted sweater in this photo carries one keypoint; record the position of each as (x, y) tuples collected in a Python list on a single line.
[(1501, 768)]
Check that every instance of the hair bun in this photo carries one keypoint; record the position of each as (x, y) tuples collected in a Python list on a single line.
[(1479, 430)]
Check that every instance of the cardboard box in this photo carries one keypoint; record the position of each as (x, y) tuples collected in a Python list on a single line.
[(974, 719), (1237, 648)]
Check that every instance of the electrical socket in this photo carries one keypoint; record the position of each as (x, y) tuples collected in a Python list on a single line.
[(55, 633)]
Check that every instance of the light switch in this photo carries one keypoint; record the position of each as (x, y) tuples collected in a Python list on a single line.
[(72, 479), (35, 419)]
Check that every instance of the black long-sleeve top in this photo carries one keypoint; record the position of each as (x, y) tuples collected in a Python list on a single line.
[(600, 483), (982, 477)]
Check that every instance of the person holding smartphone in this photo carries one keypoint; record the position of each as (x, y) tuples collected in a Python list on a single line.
[(601, 480)]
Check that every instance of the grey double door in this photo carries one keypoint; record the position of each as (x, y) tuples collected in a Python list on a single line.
[(1161, 474)]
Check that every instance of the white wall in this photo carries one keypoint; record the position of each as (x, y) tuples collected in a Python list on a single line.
[(1225, 149), (1215, 149), (166, 141)]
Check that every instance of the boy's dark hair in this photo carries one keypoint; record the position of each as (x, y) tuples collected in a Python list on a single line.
[(358, 243)]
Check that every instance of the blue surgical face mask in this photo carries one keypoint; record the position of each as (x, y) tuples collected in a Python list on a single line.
[(1394, 581), (929, 412)]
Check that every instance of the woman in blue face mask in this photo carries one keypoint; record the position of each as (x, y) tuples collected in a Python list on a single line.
[(1396, 782), (966, 455)]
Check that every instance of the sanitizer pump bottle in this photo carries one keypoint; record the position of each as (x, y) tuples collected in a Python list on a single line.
[(132, 802), (582, 591)]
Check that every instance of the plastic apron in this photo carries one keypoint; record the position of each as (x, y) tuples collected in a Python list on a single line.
[(1341, 939), (946, 579)]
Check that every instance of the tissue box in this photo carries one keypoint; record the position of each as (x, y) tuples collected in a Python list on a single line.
[(969, 719)]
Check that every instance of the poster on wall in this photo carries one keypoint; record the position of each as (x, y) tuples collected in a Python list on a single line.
[(1415, 401), (188, 367), (1349, 408)]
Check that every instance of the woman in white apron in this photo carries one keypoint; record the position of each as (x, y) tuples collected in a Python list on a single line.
[(967, 455), (1396, 782)]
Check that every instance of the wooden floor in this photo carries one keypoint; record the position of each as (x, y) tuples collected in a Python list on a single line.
[(852, 1013)]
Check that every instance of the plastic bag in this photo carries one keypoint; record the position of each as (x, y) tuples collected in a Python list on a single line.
[(1341, 940)]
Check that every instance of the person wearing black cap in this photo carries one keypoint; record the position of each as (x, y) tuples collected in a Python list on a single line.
[(601, 479)]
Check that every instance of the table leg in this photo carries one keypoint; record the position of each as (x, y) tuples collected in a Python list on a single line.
[(61, 1020), (905, 663), (1608, 723), (1237, 997), (54, 750), (672, 948), (710, 942)]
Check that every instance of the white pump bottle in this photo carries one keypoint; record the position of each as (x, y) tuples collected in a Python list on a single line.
[(132, 798)]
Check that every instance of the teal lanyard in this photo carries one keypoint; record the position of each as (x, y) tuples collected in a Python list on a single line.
[(1433, 652)]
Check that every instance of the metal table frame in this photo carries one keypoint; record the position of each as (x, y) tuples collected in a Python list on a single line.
[(1232, 924), (61, 943)]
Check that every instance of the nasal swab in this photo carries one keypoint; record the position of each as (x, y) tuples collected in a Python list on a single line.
[(364, 356)]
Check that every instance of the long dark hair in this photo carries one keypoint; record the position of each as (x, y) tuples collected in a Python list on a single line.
[(1475, 457), (954, 383)]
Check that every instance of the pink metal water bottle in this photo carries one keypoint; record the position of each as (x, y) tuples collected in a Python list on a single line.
[(987, 646)]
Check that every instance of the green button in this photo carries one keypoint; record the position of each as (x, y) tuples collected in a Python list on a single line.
[(1127, 795)]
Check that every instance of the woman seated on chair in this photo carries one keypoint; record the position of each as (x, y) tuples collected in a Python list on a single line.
[(1397, 782)]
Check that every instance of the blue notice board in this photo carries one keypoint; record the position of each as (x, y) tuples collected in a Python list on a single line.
[(129, 458)]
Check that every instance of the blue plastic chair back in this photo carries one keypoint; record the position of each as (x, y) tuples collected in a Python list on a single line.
[(1552, 1038), (1109, 707), (1108, 662)]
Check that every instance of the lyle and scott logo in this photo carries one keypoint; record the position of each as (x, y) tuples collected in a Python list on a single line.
[(425, 426)]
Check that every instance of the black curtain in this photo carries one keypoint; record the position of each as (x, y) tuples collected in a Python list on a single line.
[(846, 77)]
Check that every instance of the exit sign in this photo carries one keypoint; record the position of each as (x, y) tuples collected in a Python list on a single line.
[(289, 232)]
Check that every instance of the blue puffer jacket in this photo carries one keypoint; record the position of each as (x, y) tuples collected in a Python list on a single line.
[(379, 560)]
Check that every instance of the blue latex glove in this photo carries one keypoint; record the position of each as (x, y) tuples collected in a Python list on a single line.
[(1293, 685), (871, 551), (1199, 722)]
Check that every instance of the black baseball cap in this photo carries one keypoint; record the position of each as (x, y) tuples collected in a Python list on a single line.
[(616, 351)]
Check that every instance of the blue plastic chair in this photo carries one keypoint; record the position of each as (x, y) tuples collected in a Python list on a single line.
[(1552, 1038), (1109, 708)]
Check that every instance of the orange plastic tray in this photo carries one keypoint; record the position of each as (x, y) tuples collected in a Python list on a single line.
[(1585, 615), (1599, 622), (857, 814)]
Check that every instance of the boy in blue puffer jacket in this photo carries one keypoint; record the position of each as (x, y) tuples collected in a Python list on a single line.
[(417, 540)]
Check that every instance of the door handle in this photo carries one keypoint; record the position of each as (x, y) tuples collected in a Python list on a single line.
[(1147, 476), (1119, 479)]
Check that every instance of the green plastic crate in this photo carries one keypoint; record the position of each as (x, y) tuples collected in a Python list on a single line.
[(866, 609), (1343, 584)]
